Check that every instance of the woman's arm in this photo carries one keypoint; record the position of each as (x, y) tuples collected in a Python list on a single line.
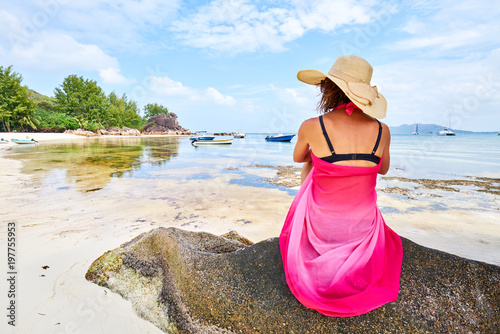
[(386, 156), (301, 153)]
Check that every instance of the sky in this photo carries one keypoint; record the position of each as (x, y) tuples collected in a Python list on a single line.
[(231, 65)]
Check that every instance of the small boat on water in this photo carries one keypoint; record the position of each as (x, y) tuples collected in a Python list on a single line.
[(240, 135), (198, 142), (416, 130), (24, 141), (202, 135), (202, 138), (280, 137), (446, 132), (4, 141)]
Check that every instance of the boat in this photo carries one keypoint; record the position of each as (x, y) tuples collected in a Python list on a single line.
[(24, 141), (202, 138), (240, 135), (202, 135), (4, 141), (280, 137), (198, 142), (416, 130), (446, 132)]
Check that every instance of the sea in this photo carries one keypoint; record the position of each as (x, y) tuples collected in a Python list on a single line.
[(412, 156)]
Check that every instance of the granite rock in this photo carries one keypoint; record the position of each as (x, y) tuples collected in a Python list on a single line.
[(196, 282), (164, 124)]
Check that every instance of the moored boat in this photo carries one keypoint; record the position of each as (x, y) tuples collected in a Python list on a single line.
[(240, 135), (4, 141), (416, 130), (280, 137), (446, 132), (24, 141), (202, 138), (198, 142)]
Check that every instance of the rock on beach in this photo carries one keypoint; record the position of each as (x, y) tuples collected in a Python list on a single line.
[(197, 282)]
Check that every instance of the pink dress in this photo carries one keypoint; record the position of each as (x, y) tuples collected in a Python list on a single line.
[(339, 256)]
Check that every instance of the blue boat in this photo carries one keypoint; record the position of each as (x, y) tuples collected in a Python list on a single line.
[(280, 137), (202, 138), (24, 141)]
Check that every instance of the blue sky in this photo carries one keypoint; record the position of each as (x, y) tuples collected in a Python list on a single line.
[(231, 65)]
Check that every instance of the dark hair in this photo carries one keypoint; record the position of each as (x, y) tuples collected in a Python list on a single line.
[(332, 96)]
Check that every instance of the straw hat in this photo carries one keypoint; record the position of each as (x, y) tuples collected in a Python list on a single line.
[(352, 74)]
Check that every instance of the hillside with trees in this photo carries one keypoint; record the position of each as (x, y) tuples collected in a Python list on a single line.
[(78, 103)]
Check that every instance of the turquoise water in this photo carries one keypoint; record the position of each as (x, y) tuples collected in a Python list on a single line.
[(91, 163)]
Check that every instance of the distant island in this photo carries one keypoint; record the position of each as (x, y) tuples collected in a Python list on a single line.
[(425, 129)]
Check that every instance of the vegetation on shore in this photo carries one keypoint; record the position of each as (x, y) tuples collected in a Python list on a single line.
[(77, 103)]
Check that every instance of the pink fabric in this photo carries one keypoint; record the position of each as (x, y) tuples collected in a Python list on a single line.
[(349, 108), (339, 256)]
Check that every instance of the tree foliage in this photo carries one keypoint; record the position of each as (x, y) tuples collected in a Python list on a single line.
[(16, 108), (123, 112), (82, 99), (78, 103), (153, 109)]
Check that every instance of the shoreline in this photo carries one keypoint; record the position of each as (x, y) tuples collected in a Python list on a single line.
[(66, 230)]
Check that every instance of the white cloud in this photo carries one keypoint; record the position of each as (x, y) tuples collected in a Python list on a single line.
[(441, 41), (414, 26), (116, 25), (112, 75), (450, 28), (51, 51), (218, 98), (236, 26), (165, 86), (466, 91)]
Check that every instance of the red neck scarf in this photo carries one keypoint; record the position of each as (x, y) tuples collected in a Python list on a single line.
[(349, 107)]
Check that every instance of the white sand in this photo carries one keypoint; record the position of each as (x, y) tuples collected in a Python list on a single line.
[(68, 229)]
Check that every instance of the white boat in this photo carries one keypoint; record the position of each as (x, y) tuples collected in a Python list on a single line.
[(24, 141), (4, 141), (239, 135), (446, 132), (416, 130), (212, 142)]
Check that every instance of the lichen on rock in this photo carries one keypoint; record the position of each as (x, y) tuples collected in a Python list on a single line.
[(197, 282)]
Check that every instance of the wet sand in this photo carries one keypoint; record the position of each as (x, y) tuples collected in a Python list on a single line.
[(61, 231)]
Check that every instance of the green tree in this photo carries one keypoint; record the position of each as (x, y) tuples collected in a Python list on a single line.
[(153, 109), (122, 112), (82, 99), (16, 108)]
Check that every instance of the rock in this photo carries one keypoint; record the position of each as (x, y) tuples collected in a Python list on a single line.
[(81, 132), (188, 282), (164, 124), (114, 130), (129, 132)]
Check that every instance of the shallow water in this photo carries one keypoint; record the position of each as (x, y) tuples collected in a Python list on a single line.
[(90, 164)]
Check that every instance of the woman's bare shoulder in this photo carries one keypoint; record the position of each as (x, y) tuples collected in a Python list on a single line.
[(309, 123), (385, 129)]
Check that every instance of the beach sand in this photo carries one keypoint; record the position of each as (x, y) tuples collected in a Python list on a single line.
[(64, 231)]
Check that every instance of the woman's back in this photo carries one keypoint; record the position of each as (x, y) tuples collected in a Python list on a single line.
[(356, 133), (339, 256)]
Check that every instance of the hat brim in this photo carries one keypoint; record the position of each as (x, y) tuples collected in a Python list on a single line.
[(377, 109)]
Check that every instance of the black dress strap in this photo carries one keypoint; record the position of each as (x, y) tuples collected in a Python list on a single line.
[(326, 135), (378, 137)]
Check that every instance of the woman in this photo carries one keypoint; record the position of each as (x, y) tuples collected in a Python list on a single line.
[(339, 256)]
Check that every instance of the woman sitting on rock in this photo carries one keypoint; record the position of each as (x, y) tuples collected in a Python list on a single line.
[(339, 256)]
